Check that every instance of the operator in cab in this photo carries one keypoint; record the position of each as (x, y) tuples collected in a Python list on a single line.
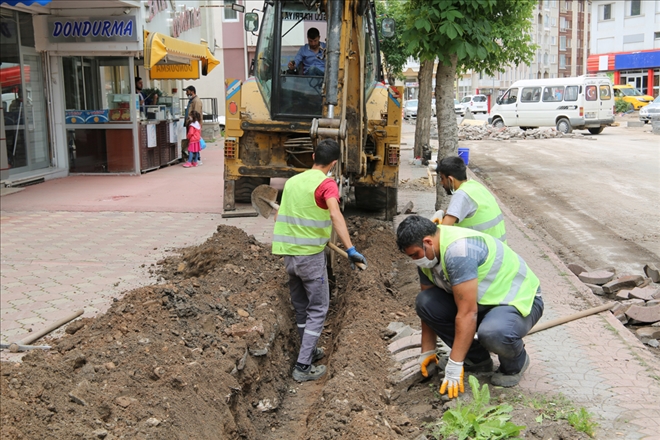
[(310, 59)]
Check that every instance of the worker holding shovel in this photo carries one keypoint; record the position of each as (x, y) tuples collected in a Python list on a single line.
[(306, 217), (495, 296)]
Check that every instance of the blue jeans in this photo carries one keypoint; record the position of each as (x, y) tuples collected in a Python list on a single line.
[(315, 71), (193, 157), (500, 328)]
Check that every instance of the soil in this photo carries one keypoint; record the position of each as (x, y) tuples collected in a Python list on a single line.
[(207, 353)]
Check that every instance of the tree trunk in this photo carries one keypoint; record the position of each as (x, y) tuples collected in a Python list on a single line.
[(447, 126), (423, 123)]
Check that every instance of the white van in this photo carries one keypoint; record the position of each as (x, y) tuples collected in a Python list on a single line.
[(580, 103)]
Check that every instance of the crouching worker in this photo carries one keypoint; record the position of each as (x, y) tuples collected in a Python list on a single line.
[(303, 224), (495, 296)]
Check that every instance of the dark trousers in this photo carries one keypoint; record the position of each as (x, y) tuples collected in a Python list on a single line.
[(500, 329)]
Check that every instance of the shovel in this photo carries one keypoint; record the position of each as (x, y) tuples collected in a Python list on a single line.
[(263, 201)]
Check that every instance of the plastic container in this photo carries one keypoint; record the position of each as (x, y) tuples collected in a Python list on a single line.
[(464, 153)]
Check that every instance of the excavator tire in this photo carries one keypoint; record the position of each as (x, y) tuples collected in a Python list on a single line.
[(245, 186)]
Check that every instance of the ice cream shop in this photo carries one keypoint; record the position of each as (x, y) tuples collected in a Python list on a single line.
[(81, 86)]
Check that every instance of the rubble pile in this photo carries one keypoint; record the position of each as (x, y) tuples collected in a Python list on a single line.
[(638, 298), (488, 132)]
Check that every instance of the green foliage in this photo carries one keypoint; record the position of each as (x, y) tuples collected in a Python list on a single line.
[(395, 51), (582, 422), (485, 35), (558, 408), (621, 106), (477, 420)]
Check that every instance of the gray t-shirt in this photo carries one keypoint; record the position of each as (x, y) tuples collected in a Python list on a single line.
[(461, 206), (462, 259)]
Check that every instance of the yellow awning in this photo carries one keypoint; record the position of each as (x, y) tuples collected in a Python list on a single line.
[(161, 49)]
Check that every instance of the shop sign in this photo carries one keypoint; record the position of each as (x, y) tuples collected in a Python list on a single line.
[(186, 20), (175, 71), (104, 29)]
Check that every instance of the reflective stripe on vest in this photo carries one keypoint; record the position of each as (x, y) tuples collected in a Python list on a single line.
[(488, 218), (302, 228), (503, 279)]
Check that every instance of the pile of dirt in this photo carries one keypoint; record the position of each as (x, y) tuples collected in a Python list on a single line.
[(208, 354)]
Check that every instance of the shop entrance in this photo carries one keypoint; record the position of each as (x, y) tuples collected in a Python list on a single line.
[(23, 99), (637, 78)]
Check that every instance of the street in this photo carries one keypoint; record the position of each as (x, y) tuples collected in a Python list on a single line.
[(593, 200)]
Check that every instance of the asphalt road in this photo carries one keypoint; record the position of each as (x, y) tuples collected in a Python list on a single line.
[(595, 200)]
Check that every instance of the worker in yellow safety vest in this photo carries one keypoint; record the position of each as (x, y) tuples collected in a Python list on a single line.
[(495, 296), (472, 205), (303, 224)]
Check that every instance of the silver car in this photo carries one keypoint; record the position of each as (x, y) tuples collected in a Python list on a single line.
[(410, 109), (651, 111)]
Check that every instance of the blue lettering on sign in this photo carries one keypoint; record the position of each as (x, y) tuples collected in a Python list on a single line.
[(96, 28)]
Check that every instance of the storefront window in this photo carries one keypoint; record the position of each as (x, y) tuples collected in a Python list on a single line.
[(97, 89), (23, 99)]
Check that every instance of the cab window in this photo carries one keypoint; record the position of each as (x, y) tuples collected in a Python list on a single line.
[(510, 97), (371, 53), (264, 55)]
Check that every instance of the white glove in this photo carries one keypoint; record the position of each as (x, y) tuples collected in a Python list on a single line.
[(437, 217), (425, 359), (453, 382)]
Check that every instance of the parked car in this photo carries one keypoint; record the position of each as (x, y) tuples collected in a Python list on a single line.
[(630, 94), (410, 109), (457, 107), (476, 104), (651, 111)]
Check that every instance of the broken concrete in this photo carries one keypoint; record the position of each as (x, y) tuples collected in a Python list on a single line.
[(644, 314), (623, 294), (576, 268), (648, 332), (595, 289), (597, 277), (623, 282), (652, 272), (647, 293)]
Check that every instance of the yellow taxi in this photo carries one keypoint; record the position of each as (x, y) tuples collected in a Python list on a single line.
[(630, 94)]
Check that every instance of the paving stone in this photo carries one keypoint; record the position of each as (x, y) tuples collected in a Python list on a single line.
[(644, 314), (405, 343), (595, 289), (598, 277), (576, 268), (623, 294), (648, 332), (647, 293), (623, 282), (652, 272)]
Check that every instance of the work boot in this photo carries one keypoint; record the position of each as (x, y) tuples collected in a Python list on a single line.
[(318, 354), (309, 372), (480, 367), (509, 380)]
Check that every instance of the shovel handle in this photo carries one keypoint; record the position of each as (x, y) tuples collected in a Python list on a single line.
[(271, 203), (344, 254)]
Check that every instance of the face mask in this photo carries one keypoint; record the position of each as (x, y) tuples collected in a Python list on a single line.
[(425, 262), (450, 189)]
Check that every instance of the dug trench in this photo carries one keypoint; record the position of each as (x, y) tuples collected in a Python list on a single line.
[(207, 353)]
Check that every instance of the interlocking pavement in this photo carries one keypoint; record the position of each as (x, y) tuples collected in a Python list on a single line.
[(76, 243)]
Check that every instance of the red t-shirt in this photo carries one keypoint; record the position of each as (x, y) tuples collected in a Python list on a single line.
[(326, 190)]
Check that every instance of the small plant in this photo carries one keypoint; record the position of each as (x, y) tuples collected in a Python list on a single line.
[(477, 420), (582, 422), (621, 106)]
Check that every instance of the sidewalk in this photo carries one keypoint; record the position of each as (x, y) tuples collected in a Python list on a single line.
[(78, 242)]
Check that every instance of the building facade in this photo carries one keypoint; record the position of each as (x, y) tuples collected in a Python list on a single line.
[(626, 43), (69, 99)]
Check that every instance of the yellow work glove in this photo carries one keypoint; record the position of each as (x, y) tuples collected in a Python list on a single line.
[(453, 382), (425, 359)]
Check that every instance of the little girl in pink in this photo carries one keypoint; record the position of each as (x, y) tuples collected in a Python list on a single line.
[(194, 135)]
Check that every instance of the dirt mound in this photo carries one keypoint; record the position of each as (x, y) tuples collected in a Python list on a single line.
[(208, 354)]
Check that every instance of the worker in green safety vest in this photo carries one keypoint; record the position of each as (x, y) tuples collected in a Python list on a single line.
[(303, 224), (472, 205), (494, 296)]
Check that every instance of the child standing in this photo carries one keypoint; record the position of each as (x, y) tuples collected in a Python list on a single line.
[(194, 135)]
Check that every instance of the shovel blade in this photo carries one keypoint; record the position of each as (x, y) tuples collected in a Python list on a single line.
[(260, 198)]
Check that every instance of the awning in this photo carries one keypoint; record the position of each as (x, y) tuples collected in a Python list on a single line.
[(161, 49), (25, 2)]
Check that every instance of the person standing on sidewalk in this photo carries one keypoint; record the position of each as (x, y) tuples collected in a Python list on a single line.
[(303, 224), (495, 296), (472, 205), (194, 104), (194, 135)]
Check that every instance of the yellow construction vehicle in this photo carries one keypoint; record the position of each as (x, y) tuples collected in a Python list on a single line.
[(276, 117)]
